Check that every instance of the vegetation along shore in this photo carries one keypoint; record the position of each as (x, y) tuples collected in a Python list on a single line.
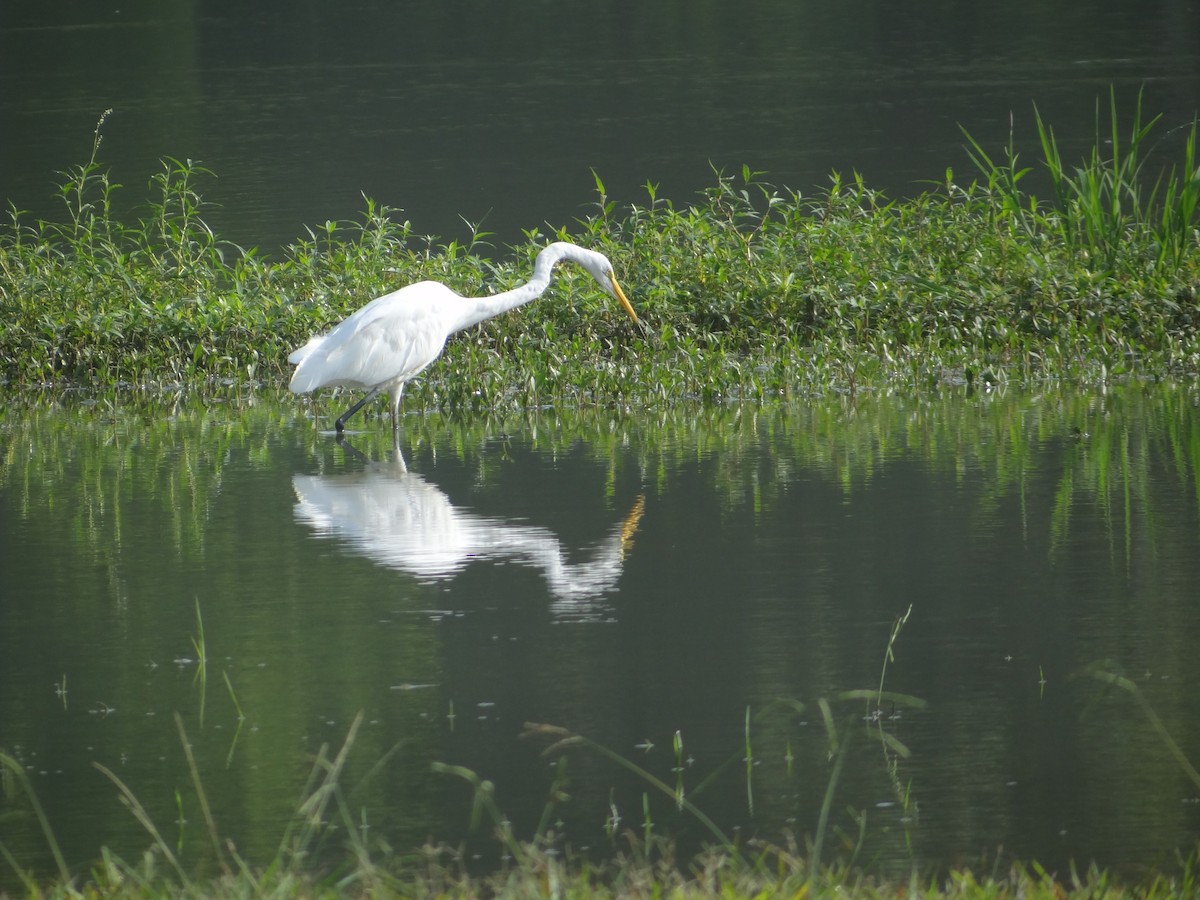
[(750, 291)]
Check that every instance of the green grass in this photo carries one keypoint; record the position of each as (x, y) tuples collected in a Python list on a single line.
[(325, 852), (750, 291)]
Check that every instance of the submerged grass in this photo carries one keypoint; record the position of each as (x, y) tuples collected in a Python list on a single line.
[(750, 291)]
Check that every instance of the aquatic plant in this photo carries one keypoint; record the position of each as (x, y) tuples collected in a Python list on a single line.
[(750, 291), (1108, 200)]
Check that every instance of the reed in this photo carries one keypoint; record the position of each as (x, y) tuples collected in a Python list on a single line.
[(1108, 200)]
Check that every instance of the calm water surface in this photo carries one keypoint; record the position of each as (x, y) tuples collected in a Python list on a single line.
[(498, 112), (629, 577)]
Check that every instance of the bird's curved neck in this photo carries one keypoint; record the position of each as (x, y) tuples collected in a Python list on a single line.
[(477, 309)]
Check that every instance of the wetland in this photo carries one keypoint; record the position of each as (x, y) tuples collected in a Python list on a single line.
[(869, 554), (684, 587)]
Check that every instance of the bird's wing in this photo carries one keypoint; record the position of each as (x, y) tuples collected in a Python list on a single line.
[(392, 338)]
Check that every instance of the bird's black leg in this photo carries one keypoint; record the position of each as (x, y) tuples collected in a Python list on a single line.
[(340, 424)]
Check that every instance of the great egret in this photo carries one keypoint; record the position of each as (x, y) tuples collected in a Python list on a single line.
[(384, 345)]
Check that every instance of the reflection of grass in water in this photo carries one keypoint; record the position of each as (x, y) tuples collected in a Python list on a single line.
[(201, 676), (845, 725), (93, 478), (1106, 672)]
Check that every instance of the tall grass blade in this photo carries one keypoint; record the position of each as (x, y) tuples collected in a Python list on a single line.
[(888, 655), (18, 773), (311, 814), (557, 794), (139, 812), (483, 799), (27, 879), (233, 696), (749, 751), (839, 760), (567, 739), (205, 809), (201, 649)]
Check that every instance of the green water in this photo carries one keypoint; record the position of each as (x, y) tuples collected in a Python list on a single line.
[(627, 575)]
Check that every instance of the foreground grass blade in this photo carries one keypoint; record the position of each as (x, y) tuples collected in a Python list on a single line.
[(209, 822), (19, 773), (135, 806), (567, 739)]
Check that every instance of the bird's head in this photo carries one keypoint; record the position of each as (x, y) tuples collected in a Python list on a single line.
[(602, 270)]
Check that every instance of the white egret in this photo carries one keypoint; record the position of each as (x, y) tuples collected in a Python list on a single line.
[(386, 343)]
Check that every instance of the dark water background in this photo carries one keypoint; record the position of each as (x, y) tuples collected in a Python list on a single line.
[(628, 577), (496, 113)]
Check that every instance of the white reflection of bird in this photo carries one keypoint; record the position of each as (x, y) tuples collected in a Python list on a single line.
[(384, 345), (400, 520)]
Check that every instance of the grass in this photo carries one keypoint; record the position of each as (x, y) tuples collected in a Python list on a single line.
[(325, 851), (1107, 197), (751, 291)]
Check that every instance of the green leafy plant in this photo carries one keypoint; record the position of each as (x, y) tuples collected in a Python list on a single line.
[(747, 291)]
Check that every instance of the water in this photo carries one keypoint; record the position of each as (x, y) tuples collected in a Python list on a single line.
[(496, 113), (628, 577)]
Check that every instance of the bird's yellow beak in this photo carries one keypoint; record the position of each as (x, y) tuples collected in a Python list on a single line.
[(621, 296)]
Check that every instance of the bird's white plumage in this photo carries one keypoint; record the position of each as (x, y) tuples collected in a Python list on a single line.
[(392, 338), (386, 343)]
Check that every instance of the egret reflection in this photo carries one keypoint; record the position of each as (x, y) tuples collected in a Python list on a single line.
[(398, 519)]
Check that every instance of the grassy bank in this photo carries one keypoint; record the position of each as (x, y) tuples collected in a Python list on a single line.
[(538, 874), (749, 291)]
